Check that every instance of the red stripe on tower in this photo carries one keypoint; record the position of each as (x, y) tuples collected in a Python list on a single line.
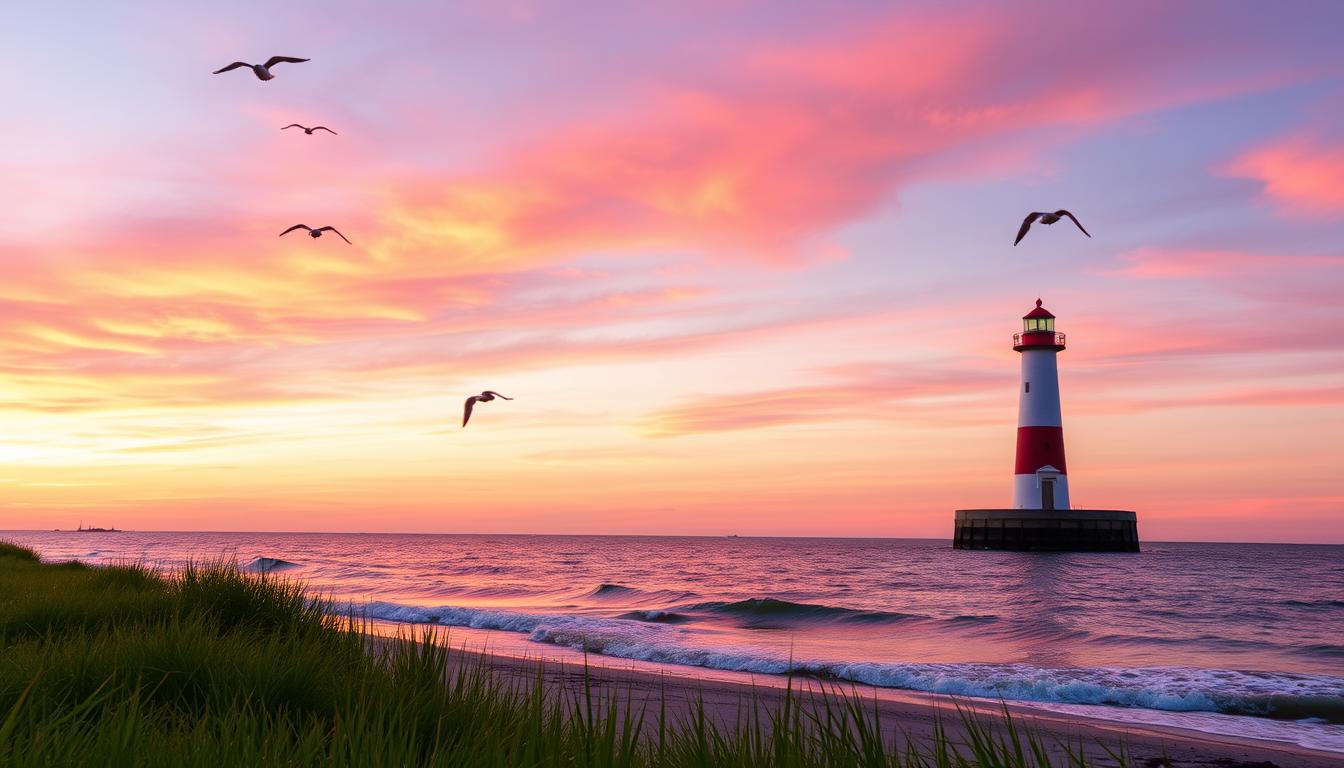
[(1039, 447)]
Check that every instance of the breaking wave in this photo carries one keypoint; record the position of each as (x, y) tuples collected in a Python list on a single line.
[(662, 617), (771, 608), (652, 636), (613, 593), (269, 565)]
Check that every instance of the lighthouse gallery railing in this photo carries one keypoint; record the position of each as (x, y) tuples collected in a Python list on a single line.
[(1017, 337)]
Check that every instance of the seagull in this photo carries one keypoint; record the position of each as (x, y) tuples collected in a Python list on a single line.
[(315, 232), (484, 397), (309, 131), (262, 71), (1045, 218)]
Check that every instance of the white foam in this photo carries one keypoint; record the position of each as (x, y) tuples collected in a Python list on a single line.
[(1311, 733), (1169, 689)]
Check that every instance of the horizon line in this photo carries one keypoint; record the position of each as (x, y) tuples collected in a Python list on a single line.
[(631, 536)]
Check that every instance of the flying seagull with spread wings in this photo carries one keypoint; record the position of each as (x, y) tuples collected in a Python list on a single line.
[(484, 397), (309, 131), (262, 71), (1045, 218), (315, 232)]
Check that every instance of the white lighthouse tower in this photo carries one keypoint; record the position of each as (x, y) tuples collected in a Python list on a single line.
[(1041, 479)]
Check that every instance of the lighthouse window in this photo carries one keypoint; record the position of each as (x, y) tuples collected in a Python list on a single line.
[(1027, 386)]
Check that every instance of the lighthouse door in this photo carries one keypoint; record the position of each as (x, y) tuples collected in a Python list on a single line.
[(1047, 493)]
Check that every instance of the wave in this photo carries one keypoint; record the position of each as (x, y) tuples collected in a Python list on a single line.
[(663, 617), (646, 638), (1311, 604), (1174, 689), (769, 608), (634, 596), (495, 590), (269, 565), (1206, 641), (1324, 649), (480, 570)]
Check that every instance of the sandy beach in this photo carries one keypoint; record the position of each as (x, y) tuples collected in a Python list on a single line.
[(678, 692)]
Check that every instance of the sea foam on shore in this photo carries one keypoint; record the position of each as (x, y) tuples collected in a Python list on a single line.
[(1284, 696)]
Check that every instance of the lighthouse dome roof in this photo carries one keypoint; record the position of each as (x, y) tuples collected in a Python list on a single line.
[(1039, 311)]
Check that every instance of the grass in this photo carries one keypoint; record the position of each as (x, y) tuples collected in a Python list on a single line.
[(212, 666)]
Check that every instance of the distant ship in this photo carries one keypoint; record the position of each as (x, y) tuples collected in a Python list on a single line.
[(95, 529)]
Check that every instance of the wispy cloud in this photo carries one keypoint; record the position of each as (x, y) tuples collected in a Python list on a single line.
[(1158, 263), (883, 393), (1302, 174)]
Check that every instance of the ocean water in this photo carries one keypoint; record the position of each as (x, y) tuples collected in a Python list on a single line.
[(1246, 639)]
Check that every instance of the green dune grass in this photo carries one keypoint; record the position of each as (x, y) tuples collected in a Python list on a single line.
[(212, 666)]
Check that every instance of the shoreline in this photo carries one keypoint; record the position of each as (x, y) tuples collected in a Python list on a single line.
[(514, 649), (653, 687)]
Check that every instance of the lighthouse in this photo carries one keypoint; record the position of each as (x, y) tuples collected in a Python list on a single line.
[(1040, 479), (1041, 517)]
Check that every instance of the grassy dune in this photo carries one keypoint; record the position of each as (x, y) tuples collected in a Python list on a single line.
[(211, 666)]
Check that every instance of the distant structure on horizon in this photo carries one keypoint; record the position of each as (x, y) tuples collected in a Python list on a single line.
[(1041, 517)]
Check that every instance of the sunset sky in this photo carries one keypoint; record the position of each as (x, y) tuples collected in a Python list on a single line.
[(745, 267)]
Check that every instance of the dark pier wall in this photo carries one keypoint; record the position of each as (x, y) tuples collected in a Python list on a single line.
[(1047, 530)]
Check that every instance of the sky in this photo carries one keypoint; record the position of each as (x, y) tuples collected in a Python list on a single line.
[(745, 267)]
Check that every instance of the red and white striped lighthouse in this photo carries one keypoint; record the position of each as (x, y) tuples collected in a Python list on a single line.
[(1041, 479), (1041, 518)]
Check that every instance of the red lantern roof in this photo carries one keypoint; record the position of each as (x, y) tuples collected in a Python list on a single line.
[(1039, 311)]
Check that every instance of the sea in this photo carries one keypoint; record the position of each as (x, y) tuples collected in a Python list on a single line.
[(1241, 639)]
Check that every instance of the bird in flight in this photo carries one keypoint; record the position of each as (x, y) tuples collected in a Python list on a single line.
[(309, 131), (315, 232), (1045, 218), (484, 397), (262, 71)]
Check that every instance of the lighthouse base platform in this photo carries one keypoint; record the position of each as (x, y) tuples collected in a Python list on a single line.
[(1047, 530)]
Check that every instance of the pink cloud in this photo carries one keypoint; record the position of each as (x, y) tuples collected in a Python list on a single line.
[(1192, 262), (878, 393), (1302, 174), (1251, 397), (786, 142)]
